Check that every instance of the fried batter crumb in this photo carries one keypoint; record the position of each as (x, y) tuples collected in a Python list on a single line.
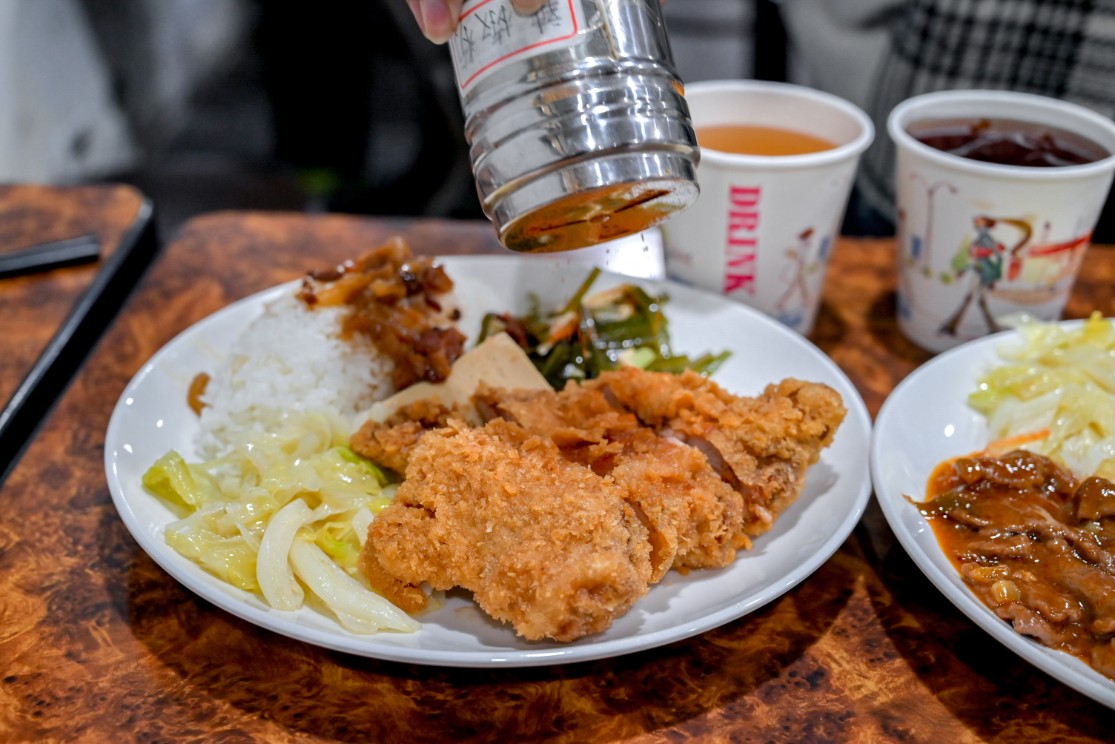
[(562, 509)]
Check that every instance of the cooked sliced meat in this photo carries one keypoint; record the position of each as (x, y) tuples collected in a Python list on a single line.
[(1025, 534)]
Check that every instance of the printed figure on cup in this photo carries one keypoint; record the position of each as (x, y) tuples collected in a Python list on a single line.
[(917, 251), (1046, 268), (984, 255), (800, 263), (921, 246)]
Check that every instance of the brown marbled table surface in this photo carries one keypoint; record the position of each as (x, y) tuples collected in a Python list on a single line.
[(97, 643)]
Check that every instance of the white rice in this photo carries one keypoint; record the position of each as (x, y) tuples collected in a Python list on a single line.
[(289, 359)]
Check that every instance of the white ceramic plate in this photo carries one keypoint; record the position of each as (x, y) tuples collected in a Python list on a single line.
[(924, 421), (152, 417)]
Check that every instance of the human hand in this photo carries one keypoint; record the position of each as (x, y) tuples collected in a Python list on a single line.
[(438, 18)]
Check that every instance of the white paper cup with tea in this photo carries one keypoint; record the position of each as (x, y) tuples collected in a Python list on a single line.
[(777, 166), (983, 241)]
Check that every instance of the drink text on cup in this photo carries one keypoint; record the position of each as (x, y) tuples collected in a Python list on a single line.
[(742, 250)]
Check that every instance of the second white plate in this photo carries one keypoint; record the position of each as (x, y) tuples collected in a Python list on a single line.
[(925, 421)]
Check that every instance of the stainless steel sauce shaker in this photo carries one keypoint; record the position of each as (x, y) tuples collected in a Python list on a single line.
[(576, 121)]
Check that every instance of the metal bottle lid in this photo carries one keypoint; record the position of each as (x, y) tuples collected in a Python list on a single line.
[(576, 121)]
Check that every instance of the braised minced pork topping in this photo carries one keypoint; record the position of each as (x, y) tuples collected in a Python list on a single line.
[(396, 300)]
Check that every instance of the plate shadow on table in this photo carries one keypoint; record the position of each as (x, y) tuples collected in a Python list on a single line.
[(941, 645), (830, 330), (697, 684), (882, 322)]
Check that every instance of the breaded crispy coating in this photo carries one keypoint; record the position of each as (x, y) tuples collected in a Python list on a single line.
[(407, 597), (542, 543), (763, 445), (562, 509), (695, 519), (389, 443), (697, 515)]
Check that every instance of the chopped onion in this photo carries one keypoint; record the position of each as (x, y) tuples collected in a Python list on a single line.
[(361, 521), (357, 608), (273, 572)]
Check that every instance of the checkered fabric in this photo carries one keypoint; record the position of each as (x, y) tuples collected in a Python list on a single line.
[(1059, 48)]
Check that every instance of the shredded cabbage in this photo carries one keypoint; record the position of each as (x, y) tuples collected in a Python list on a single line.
[(186, 487), (295, 491), (1059, 382)]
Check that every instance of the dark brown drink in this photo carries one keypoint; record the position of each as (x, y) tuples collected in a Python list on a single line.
[(1007, 142)]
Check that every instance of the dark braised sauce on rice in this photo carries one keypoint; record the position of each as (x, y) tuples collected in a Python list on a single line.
[(395, 299), (1035, 545)]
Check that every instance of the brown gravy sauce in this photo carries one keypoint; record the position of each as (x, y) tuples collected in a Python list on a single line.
[(1035, 544)]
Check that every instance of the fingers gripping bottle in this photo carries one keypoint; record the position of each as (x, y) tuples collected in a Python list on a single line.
[(577, 126)]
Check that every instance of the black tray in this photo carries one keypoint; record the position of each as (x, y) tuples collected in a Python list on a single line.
[(64, 354)]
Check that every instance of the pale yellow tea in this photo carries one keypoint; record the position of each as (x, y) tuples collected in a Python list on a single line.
[(748, 139)]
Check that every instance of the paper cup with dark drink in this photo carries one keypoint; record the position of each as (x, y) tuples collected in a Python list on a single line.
[(997, 196), (777, 164)]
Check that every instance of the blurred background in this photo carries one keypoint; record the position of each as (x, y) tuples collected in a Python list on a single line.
[(344, 106), (244, 104)]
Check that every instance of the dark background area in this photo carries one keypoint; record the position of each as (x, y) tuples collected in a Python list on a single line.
[(340, 109), (347, 108), (338, 106)]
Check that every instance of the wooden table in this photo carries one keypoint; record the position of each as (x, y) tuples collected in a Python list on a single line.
[(97, 643), (49, 319)]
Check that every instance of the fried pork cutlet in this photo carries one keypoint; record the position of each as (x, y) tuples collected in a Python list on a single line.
[(694, 518), (563, 507), (543, 543), (762, 446), (389, 443)]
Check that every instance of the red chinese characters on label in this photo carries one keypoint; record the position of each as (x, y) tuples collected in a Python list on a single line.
[(490, 33), (742, 247)]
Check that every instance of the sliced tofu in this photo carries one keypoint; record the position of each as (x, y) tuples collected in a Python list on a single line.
[(498, 362)]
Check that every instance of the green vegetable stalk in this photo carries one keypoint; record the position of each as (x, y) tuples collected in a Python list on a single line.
[(590, 334)]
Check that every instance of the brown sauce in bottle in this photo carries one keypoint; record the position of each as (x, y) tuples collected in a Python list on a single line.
[(591, 217)]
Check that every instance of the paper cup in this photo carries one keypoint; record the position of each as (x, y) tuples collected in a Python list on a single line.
[(763, 228), (979, 243)]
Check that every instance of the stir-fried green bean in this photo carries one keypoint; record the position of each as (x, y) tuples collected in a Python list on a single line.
[(621, 326)]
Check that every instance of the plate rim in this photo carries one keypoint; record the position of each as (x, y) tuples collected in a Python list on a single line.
[(1060, 665), (235, 602)]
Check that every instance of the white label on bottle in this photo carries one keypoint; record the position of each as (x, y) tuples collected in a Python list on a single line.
[(490, 32)]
